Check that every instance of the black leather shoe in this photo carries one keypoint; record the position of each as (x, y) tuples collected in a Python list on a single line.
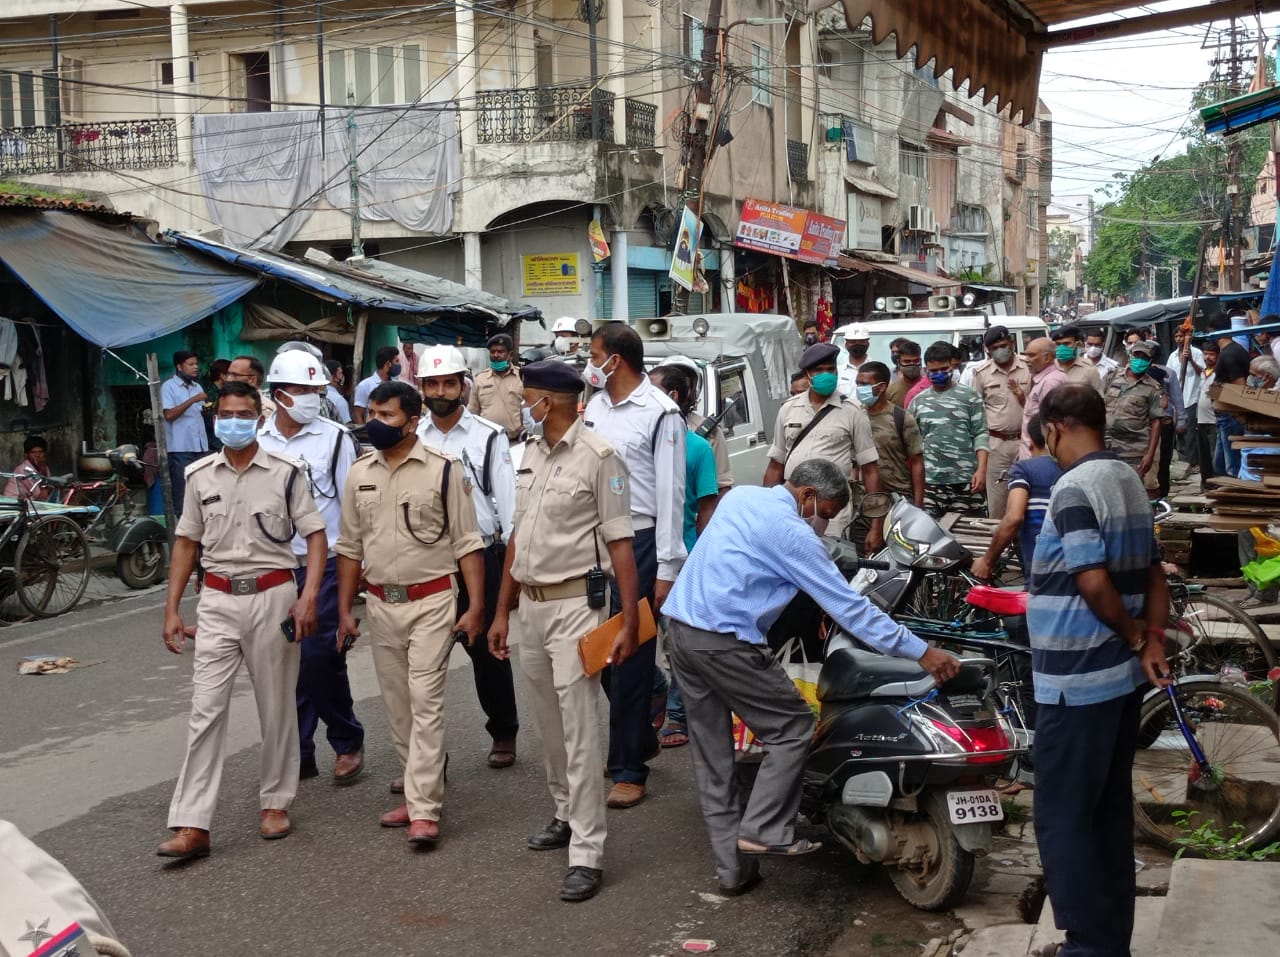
[(307, 769), (556, 834), (581, 883), (749, 882)]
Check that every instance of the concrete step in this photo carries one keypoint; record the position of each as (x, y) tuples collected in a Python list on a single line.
[(1217, 903), (1147, 915)]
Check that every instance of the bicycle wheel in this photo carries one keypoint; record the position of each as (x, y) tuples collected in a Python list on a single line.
[(1213, 636), (1238, 736), (51, 565)]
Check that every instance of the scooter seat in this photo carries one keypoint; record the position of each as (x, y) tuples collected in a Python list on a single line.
[(853, 673), (998, 601)]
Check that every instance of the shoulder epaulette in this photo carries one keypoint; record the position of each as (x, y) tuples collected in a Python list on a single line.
[(197, 466)]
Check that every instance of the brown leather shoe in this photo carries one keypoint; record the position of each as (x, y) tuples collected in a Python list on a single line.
[(424, 833), (397, 818), (347, 767), (397, 785), (625, 794), (187, 844), (502, 754), (273, 824)]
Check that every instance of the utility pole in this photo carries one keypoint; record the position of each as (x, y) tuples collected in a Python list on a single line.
[(592, 10), (1236, 276), (56, 88), (357, 244)]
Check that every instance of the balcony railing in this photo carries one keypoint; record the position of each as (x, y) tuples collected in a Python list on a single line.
[(798, 161), (641, 120), (553, 114), (87, 147)]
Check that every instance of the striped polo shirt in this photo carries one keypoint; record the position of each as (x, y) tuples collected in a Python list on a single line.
[(1098, 517)]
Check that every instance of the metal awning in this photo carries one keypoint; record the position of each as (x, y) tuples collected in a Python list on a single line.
[(389, 293), (987, 287), (869, 186), (997, 45), (918, 276)]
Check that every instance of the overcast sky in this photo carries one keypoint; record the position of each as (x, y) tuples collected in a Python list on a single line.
[(1119, 104)]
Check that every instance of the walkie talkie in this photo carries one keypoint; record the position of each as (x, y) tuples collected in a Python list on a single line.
[(597, 588)]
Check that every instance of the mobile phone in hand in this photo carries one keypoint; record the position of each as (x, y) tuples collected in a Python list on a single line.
[(290, 629), (348, 641)]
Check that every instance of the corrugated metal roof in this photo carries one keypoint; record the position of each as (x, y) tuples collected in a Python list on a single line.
[(29, 201), (995, 45)]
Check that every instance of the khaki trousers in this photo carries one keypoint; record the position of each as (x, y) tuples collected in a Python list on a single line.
[(1001, 454), (411, 643), (565, 712), (232, 630)]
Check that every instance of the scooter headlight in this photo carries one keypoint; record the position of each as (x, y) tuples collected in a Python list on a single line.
[(931, 562)]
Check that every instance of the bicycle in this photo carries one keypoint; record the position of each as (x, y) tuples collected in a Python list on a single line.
[(45, 552)]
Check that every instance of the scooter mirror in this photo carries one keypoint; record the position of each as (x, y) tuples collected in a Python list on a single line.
[(875, 504)]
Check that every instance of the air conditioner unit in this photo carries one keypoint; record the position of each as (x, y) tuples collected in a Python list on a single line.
[(915, 216), (930, 221)]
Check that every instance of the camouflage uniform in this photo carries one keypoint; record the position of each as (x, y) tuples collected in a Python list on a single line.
[(953, 424), (1132, 406)]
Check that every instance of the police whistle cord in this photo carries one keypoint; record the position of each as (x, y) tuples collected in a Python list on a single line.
[(108, 947)]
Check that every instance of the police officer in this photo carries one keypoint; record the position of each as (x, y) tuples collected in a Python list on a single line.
[(243, 505), (406, 516), (1134, 402), (646, 428), (481, 448), (819, 423), (297, 381), (1003, 405), (497, 391), (573, 523)]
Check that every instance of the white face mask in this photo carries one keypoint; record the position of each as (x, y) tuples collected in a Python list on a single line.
[(595, 375), (562, 345), (809, 519), (1093, 352), (526, 415), (303, 409)]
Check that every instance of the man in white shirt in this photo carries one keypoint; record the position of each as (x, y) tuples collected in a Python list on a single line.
[(186, 441), (334, 391), (297, 381), (387, 367), (857, 340), (1094, 339), (1186, 365), (646, 429), (482, 449)]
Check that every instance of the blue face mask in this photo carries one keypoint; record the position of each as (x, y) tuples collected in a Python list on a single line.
[(383, 436), (499, 366), (1139, 366), (824, 383), (866, 394), (939, 379), (236, 433)]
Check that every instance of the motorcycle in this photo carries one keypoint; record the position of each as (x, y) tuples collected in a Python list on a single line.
[(901, 770)]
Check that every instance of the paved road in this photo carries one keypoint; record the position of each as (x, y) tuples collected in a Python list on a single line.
[(87, 763)]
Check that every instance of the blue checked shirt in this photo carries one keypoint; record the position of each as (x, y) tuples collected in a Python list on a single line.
[(750, 561)]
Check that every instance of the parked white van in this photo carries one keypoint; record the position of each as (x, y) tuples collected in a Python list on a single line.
[(963, 331)]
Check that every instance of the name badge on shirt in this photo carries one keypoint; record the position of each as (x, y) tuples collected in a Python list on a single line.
[(367, 488), (211, 499)]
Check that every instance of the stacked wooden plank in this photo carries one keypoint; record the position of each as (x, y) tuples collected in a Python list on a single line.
[(1244, 503)]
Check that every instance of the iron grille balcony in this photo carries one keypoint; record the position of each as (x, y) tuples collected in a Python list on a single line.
[(641, 119), (549, 114), (798, 161), (89, 147)]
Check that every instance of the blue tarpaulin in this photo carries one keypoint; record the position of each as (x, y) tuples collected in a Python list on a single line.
[(109, 281), (1271, 298)]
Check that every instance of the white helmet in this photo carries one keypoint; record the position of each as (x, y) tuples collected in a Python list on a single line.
[(300, 346), (297, 367), (565, 324), (684, 362), (439, 360), (855, 330)]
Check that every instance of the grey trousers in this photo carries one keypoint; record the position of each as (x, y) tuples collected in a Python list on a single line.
[(719, 675)]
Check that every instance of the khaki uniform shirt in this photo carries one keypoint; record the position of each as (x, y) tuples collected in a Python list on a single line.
[(844, 436), (724, 474), (1132, 405), (393, 520), (563, 495), (243, 519), (496, 396), (1081, 373), (1004, 412), (895, 448)]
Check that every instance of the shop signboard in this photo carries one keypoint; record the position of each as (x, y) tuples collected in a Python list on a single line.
[(864, 222), (550, 274), (789, 232)]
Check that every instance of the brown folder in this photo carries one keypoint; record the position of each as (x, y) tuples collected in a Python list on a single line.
[(595, 645)]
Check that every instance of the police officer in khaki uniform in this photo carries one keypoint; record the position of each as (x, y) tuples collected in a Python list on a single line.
[(497, 392), (843, 435), (1003, 405), (244, 505), (407, 515), (573, 527), (1135, 402)]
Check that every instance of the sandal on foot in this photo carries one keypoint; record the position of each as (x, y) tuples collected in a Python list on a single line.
[(673, 736), (795, 849)]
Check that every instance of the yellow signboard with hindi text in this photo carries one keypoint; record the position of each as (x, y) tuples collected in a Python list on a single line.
[(551, 274)]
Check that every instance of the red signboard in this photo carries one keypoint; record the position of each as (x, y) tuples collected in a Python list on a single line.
[(790, 232)]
